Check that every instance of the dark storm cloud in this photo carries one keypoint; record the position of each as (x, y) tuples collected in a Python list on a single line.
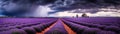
[(40, 2), (59, 5), (86, 3), (63, 5), (16, 7)]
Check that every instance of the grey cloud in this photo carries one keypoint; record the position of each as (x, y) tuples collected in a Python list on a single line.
[(59, 5), (94, 5)]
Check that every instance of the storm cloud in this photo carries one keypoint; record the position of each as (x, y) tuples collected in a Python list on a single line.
[(21, 7), (72, 4)]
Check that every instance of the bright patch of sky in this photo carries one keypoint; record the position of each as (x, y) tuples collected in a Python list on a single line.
[(108, 13)]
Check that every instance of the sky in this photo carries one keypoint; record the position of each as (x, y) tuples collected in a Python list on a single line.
[(60, 8)]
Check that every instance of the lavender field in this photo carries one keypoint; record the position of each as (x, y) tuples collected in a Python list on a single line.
[(59, 16), (81, 25)]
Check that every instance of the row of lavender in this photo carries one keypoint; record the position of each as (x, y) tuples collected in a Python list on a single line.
[(24, 25), (93, 25), (58, 28), (115, 21)]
